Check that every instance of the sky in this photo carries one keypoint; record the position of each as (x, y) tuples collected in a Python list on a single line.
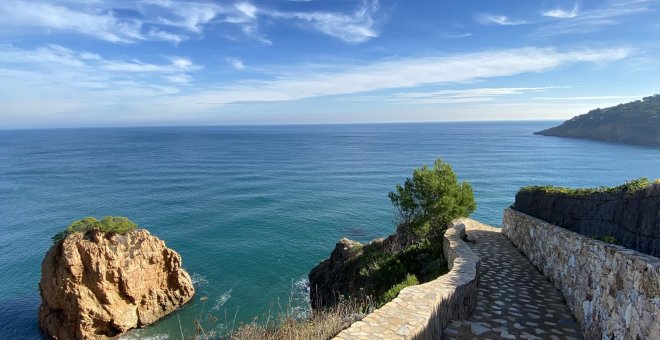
[(76, 63)]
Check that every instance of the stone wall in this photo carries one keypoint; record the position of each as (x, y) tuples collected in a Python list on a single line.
[(422, 311), (633, 219), (614, 292)]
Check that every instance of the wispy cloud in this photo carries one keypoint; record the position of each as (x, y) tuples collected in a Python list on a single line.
[(561, 13), (492, 19), (588, 98), (102, 24), (473, 95), (235, 63), (356, 27), (175, 21), (54, 80), (398, 74), (592, 20), (56, 66)]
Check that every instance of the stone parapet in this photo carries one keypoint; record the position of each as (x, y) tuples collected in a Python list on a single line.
[(422, 311), (614, 292)]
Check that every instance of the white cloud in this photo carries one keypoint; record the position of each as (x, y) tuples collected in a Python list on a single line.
[(191, 16), (58, 66), (588, 97), (52, 80), (491, 19), (463, 96), (103, 24), (356, 28), (394, 74), (235, 63), (611, 13), (560, 13), (247, 9), (172, 21)]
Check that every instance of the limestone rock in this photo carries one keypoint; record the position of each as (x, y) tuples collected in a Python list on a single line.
[(100, 285)]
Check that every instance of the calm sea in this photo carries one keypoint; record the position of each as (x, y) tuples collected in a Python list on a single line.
[(252, 209)]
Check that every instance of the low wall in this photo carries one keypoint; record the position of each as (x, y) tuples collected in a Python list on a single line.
[(614, 292), (422, 311)]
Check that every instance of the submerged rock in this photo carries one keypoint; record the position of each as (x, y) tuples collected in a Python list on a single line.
[(100, 285)]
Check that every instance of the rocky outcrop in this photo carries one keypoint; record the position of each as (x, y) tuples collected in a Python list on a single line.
[(336, 275), (339, 275), (632, 219), (99, 285), (422, 311)]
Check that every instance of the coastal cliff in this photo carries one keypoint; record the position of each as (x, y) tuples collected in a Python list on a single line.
[(636, 123), (96, 284)]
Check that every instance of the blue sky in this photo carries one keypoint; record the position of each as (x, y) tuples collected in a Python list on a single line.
[(166, 62)]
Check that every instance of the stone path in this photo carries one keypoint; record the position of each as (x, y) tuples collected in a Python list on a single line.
[(515, 300)]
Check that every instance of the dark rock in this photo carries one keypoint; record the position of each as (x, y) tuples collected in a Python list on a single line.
[(632, 218)]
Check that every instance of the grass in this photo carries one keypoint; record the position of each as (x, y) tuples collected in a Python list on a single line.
[(324, 324), (288, 324), (109, 224), (627, 187), (394, 291)]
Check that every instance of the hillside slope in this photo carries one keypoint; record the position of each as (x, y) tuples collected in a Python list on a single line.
[(636, 122)]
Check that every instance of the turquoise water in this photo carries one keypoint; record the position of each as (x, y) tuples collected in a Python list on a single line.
[(252, 209)]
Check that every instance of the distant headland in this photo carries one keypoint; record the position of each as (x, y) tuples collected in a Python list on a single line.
[(636, 123)]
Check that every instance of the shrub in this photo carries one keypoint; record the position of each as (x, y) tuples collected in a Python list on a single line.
[(627, 187), (109, 224), (394, 291), (432, 198)]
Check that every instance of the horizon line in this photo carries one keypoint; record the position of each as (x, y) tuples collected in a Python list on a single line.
[(276, 124)]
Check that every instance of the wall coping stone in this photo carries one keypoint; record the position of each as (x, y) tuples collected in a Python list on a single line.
[(422, 311)]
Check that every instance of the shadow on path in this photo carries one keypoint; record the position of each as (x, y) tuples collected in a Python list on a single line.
[(515, 300)]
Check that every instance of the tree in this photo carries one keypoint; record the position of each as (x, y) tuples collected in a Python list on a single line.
[(432, 198)]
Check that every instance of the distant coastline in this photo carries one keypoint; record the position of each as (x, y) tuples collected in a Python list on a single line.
[(636, 123)]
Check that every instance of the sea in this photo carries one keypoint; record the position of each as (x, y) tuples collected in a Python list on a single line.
[(251, 209)]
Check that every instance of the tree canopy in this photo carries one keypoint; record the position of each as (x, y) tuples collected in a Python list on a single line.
[(432, 198)]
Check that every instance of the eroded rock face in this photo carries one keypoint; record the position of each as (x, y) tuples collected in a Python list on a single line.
[(99, 285)]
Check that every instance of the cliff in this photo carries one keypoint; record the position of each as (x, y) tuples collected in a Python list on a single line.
[(625, 215), (376, 271), (96, 285), (637, 123)]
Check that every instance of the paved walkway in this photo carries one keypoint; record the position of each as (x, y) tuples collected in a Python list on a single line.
[(515, 299)]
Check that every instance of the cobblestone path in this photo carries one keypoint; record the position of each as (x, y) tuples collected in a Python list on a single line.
[(515, 299)]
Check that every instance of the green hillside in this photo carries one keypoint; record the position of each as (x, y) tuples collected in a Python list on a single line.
[(636, 122)]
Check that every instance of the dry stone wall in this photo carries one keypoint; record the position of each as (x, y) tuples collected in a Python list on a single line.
[(422, 311), (614, 292)]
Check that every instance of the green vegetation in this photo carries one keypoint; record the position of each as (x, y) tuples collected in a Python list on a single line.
[(109, 224), (394, 291), (426, 204), (628, 187), (636, 122), (608, 239), (432, 198)]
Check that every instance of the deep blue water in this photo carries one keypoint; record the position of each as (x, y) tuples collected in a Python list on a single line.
[(252, 209)]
